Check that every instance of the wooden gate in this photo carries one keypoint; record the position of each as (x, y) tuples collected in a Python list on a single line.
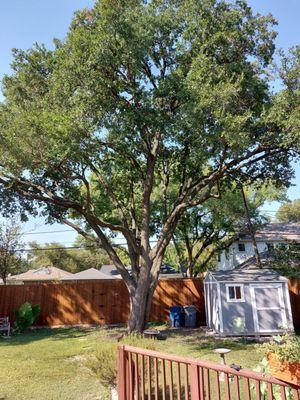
[(145, 374)]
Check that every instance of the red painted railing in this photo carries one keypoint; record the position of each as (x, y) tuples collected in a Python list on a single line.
[(145, 374)]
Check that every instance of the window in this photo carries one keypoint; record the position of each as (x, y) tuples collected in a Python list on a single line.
[(219, 257), (235, 293), (242, 247)]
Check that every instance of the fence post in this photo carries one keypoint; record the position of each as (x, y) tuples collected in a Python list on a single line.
[(121, 373)]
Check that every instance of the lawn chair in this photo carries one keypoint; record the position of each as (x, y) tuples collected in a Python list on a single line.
[(5, 325)]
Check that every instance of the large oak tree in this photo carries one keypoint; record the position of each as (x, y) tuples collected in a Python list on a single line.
[(141, 98)]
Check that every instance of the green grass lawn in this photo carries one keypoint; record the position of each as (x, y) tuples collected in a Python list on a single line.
[(50, 364)]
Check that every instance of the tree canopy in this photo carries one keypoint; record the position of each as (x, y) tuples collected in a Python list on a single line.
[(285, 258), (289, 212), (145, 110), (72, 260), (10, 241)]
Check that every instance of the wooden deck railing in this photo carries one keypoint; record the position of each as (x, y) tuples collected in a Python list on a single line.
[(145, 374)]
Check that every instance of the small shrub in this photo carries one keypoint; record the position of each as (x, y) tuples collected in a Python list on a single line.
[(285, 347), (103, 363), (264, 368), (25, 317)]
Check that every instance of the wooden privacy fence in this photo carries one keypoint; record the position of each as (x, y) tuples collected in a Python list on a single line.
[(294, 286), (145, 374), (98, 302)]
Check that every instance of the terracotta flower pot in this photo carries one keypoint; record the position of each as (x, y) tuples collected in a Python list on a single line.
[(287, 372)]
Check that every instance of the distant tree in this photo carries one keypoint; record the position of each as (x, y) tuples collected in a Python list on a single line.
[(204, 231), (289, 212), (72, 260), (10, 261), (286, 259), (145, 97)]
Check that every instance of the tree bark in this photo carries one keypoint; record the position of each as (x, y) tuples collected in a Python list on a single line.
[(139, 305), (141, 298)]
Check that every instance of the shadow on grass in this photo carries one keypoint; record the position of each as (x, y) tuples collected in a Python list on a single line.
[(197, 341), (208, 345), (45, 333)]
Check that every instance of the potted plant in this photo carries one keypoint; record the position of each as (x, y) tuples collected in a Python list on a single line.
[(283, 354)]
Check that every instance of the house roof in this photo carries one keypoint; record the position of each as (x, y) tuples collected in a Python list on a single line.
[(278, 232), (88, 274), (112, 273), (42, 274)]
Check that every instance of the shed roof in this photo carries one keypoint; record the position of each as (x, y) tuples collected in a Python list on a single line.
[(249, 275), (248, 271)]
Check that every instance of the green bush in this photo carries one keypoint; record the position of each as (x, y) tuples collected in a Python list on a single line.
[(25, 316), (285, 347), (264, 368), (103, 363)]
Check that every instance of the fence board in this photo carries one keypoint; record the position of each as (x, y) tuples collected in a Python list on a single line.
[(294, 286)]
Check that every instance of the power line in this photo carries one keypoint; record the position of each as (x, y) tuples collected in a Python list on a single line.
[(55, 248), (73, 230), (94, 247), (73, 247), (47, 232)]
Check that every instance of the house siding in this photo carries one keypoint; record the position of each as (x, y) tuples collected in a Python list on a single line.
[(233, 257)]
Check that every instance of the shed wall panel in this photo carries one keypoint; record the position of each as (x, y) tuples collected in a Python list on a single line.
[(235, 313)]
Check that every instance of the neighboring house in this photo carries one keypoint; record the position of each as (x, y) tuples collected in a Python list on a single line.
[(166, 271), (111, 271), (87, 275), (247, 301), (43, 274), (266, 238)]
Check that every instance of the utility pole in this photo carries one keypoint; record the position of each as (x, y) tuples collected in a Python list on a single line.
[(251, 230)]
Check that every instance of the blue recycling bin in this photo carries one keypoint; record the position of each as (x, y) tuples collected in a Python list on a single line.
[(176, 316), (190, 316)]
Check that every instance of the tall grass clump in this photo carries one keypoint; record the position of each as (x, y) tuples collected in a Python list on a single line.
[(103, 363)]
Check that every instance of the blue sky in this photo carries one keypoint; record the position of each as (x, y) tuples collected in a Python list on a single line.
[(24, 22)]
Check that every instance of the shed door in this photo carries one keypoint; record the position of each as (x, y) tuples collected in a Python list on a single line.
[(269, 312)]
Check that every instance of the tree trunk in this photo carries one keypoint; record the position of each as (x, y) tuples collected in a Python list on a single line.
[(139, 307), (141, 301)]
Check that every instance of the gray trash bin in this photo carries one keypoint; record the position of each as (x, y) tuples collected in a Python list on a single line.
[(190, 315)]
